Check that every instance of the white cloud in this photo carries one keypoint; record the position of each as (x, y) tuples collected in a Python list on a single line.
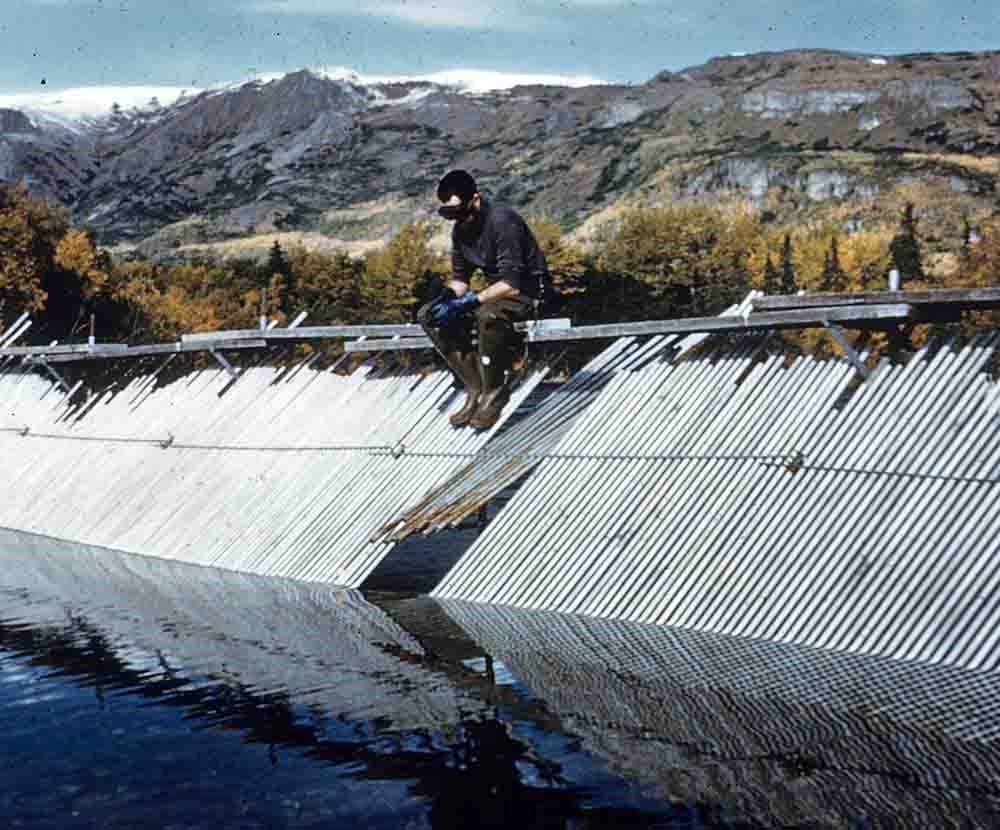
[(569, 5), (318, 7), (529, 16), (440, 13), (449, 13), (454, 13), (413, 8)]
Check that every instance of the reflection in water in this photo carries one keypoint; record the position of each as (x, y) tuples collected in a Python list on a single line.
[(143, 693), (773, 731)]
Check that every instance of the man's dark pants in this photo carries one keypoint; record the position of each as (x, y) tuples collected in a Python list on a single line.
[(482, 370)]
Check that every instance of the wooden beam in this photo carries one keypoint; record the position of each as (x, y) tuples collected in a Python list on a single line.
[(308, 333), (864, 317), (395, 344), (953, 298), (412, 334), (73, 348), (161, 348), (379, 330), (857, 317), (532, 329)]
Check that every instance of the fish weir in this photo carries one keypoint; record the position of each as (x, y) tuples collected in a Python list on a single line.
[(280, 471), (770, 500)]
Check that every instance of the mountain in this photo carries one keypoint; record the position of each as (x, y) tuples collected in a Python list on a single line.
[(338, 161)]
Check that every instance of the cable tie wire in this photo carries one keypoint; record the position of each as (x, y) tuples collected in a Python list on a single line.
[(794, 462), (170, 442)]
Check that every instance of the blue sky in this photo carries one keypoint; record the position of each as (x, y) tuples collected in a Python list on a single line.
[(55, 44)]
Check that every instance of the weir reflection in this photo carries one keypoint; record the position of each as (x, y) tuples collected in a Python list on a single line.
[(325, 646), (779, 734), (449, 714), (316, 675)]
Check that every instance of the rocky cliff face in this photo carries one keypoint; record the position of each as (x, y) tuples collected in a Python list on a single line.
[(350, 163), (52, 159)]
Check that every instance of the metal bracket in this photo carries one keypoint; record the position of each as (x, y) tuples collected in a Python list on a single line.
[(225, 364), (837, 333)]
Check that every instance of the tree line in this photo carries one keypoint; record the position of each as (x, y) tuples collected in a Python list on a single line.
[(655, 262)]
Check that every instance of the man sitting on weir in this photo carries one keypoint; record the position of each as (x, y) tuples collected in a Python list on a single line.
[(495, 239)]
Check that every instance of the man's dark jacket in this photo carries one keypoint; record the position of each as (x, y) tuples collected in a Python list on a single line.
[(502, 245)]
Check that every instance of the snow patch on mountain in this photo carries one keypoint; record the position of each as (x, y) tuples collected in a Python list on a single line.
[(472, 81), (476, 81), (81, 103), (79, 107)]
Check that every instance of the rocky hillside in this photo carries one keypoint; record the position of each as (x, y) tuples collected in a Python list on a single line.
[(337, 163)]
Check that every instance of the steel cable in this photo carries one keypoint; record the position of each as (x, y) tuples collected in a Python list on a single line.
[(793, 463)]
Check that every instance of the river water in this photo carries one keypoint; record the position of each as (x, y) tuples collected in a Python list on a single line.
[(140, 693)]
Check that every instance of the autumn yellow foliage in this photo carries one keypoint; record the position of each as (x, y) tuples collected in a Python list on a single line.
[(701, 250), (76, 252), (651, 262), (391, 276), (29, 229)]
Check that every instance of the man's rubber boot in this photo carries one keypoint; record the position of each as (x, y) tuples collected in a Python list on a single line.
[(466, 368), (493, 397)]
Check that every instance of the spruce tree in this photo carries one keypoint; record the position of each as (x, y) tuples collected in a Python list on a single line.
[(772, 280), (787, 269), (904, 249), (833, 277), (967, 236), (277, 262)]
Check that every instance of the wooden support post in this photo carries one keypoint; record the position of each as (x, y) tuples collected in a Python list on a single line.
[(838, 334), (225, 364), (55, 375)]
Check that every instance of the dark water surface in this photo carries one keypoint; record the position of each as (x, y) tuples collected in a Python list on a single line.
[(137, 693)]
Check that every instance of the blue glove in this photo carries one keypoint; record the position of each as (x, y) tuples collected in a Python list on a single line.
[(442, 295), (447, 310)]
